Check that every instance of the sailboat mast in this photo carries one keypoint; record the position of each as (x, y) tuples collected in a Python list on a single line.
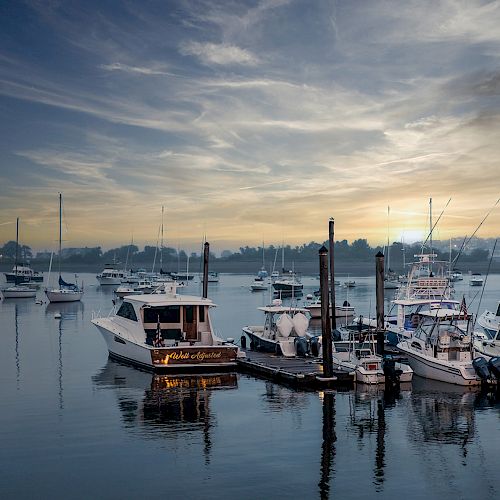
[(161, 246), (388, 250), (60, 231), (17, 250), (430, 223)]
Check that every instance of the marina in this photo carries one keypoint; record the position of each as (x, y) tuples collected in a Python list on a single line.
[(269, 406)]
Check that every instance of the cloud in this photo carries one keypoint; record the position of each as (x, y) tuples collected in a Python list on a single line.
[(133, 69), (220, 54)]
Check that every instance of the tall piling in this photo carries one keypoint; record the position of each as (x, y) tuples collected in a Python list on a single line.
[(379, 290), (331, 236), (206, 253), (326, 330)]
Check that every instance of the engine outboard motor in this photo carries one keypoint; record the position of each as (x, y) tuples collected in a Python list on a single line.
[(301, 347), (314, 346), (494, 366), (336, 336), (481, 367)]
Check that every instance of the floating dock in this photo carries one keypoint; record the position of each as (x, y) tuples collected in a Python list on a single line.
[(299, 372)]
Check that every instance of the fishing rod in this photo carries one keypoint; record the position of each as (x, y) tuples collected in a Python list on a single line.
[(484, 284), (467, 241)]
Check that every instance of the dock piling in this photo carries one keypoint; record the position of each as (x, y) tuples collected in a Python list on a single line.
[(206, 253), (326, 331), (331, 236)]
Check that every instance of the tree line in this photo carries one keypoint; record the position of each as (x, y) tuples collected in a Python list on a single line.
[(170, 258)]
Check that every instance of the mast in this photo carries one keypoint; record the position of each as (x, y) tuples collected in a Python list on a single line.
[(283, 256), (430, 235), (388, 248), (60, 231), (17, 250), (161, 245)]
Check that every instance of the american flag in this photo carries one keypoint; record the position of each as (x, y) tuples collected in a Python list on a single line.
[(463, 307), (158, 341)]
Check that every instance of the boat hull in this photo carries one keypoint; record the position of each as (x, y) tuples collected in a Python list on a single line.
[(63, 296), (284, 347), (11, 278), (340, 311), (169, 359), (18, 294), (426, 367), (103, 281)]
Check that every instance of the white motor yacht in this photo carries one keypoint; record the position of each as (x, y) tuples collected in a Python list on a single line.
[(111, 276), (23, 273), (166, 331), (441, 350)]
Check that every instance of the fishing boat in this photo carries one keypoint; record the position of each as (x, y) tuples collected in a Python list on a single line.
[(166, 332), (354, 350), (344, 310), (490, 321), (67, 292), (427, 289), (349, 284), (18, 291), (284, 327), (111, 276), (440, 349), (476, 279)]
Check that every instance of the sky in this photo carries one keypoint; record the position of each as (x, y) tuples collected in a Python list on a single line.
[(248, 121)]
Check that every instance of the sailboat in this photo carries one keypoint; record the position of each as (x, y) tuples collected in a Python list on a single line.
[(18, 291), (67, 292)]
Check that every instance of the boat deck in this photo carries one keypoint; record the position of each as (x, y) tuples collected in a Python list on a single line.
[(301, 372)]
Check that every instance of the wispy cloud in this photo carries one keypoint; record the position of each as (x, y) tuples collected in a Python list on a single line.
[(220, 54), (133, 69)]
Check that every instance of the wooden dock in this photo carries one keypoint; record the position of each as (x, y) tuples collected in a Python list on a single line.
[(299, 372)]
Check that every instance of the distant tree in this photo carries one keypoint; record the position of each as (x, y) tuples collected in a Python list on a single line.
[(9, 250), (225, 254)]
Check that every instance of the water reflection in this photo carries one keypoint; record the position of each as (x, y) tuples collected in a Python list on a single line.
[(328, 450), (442, 413), (164, 406), (367, 418), (67, 310), (18, 364)]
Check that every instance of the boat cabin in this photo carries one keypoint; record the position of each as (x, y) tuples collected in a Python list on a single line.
[(441, 336), (181, 319)]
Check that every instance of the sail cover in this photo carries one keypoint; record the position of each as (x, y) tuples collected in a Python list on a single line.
[(71, 286)]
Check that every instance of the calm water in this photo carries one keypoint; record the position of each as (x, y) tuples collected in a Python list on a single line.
[(74, 424)]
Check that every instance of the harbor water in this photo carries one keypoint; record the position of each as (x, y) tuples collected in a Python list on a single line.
[(74, 424)]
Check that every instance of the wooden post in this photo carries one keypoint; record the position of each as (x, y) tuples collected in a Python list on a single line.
[(331, 234), (326, 331), (379, 290), (206, 253)]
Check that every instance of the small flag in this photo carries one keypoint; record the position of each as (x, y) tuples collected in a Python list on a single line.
[(158, 341), (463, 307)]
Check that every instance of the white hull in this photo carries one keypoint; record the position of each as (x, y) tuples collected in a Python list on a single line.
[(340, 311), (63, 295), (18, 294), (141, 355), (453, 373)]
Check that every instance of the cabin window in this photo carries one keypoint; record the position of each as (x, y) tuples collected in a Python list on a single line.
[(127, 311), (169, 314), (201, 314)]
